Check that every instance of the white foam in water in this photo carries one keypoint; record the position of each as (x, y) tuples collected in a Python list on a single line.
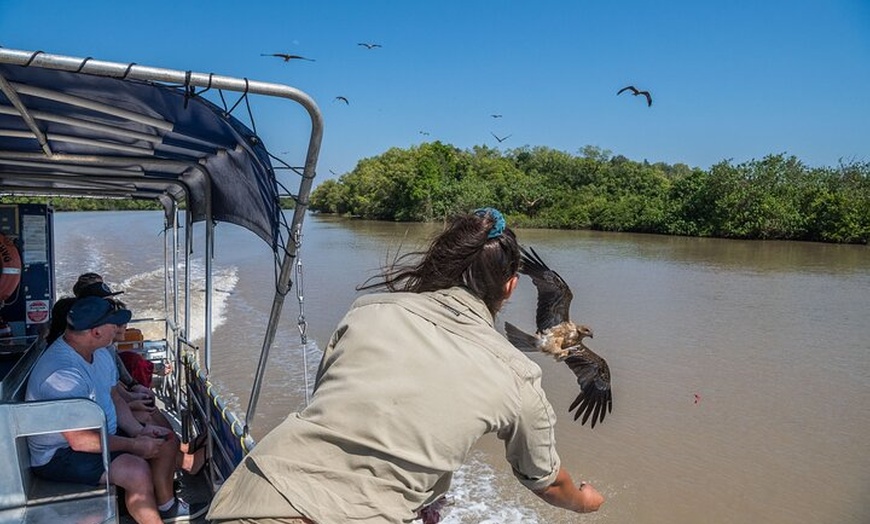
[(477, 498), (146, 288)]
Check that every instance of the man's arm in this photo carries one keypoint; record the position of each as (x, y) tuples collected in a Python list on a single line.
[(88, 441), (564, 494), (126, 421)]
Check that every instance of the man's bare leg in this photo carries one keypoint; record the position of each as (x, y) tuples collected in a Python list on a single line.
[(134, 475), (163, 470)]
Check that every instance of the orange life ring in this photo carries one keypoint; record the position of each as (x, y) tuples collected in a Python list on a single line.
[(10, 267)]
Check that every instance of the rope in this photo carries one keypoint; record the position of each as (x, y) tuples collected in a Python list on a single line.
[(33, 57), (251, 114), (244, 96), (301, 323), (207, 87), (189, 90), (129, 68), (82, 65)]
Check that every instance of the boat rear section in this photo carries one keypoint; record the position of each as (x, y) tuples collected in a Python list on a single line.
[(83, 128)]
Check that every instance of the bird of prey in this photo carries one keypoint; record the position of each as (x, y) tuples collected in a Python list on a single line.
[(558, 336), (368, 45), (635, 92), (287, 57), (495, 116), (342, 99), (500, 139), (424, 133)]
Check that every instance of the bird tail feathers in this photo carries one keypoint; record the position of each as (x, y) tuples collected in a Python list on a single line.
[(519, 338)]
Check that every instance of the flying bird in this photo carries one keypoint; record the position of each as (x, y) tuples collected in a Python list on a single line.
[(500, 140), (635, 92), (342, 99), (558, 336), (424, 133), (495, 116), (368, 45), (287, 57)]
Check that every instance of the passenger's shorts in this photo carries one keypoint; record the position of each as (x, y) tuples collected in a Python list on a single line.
[(74, 466)]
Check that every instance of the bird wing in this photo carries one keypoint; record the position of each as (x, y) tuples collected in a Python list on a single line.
[(554, 295), (520, 339), (593, 376), (627, 88), (648, 97)]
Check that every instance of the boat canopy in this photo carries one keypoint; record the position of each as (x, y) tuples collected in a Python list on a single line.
[(74, 126), (89, 128)]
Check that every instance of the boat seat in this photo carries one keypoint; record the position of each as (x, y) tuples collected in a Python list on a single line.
[(26, 498)]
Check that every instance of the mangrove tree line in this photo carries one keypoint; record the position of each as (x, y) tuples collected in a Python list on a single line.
[(777, 197)]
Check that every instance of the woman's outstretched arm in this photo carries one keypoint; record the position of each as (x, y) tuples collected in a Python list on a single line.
[(564, 493)]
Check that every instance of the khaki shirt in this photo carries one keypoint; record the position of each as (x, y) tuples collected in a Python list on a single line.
[(408, 383)]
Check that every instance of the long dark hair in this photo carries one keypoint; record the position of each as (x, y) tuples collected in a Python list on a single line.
[(475, 250), (58, 318)]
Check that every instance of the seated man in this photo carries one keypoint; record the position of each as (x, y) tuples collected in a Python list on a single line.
[(142, 456)]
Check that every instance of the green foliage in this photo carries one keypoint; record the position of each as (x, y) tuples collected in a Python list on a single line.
[(86, 204), (776, 197)]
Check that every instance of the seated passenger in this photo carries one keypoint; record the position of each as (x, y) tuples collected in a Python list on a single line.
[(142, 456), (97, 288), (136, 391)]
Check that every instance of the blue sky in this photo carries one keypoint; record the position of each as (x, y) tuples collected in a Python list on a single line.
[(730, 80)]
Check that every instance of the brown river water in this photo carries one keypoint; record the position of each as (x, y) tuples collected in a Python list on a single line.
[(741, 370)]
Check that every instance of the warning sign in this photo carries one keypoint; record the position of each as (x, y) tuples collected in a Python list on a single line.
[(37, 311)]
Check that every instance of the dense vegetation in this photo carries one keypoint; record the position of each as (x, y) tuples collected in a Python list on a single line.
[(85, 204), (776, 197)]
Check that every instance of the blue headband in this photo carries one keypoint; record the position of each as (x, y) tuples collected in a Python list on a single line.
[(498, 227)]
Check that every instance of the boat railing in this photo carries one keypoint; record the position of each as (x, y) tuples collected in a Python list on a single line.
[(227, 436)]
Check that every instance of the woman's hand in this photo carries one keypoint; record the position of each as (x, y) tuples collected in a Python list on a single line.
[(142, 392), (158, 432), (564, 494), (141, 405), (590, 497)]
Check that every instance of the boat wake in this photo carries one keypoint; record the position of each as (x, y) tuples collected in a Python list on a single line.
[(144, 290)]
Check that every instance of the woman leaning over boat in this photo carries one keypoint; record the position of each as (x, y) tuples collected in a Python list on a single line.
[(409, 381)]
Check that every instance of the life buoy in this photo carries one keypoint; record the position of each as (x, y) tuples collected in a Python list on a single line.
[(10, 267)]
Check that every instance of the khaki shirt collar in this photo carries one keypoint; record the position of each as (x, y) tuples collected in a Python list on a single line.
[(460, 301)]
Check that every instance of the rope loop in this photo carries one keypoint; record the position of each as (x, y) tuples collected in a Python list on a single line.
[(33, 57), (82, 65)]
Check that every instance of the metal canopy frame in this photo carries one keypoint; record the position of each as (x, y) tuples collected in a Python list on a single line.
[(81, 127)]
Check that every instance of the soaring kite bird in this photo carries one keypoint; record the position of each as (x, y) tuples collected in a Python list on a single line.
[(500, 139), (287, 57), (342, 99), (368, 45), (635, 92), (563, 339)]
